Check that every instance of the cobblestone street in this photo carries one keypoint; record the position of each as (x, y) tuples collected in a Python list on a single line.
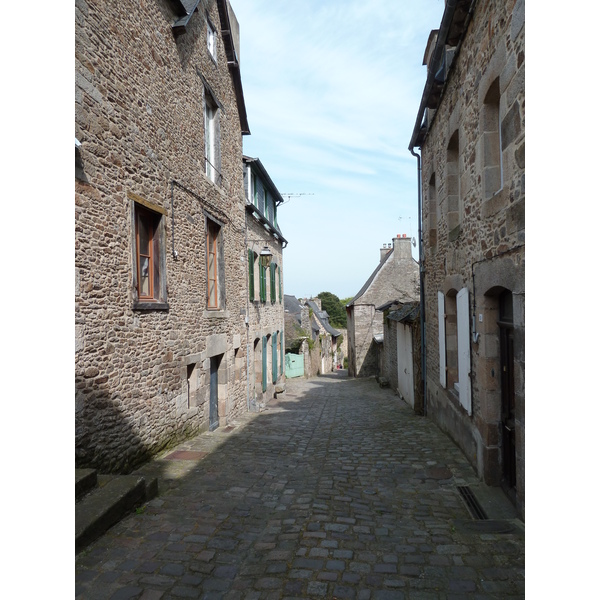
[(336, 490)]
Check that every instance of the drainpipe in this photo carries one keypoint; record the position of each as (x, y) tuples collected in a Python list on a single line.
[(421, 289)]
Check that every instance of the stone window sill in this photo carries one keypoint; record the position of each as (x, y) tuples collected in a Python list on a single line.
[(147, 306)]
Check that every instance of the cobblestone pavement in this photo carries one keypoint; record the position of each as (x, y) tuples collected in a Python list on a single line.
[(337, 490)]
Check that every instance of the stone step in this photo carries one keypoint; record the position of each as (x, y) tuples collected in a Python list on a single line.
[(85, 481), (103, 507)]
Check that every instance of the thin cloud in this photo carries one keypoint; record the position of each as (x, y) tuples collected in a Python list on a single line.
[(332, 90)]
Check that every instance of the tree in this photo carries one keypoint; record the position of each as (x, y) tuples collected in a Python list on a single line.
[(334, 307)]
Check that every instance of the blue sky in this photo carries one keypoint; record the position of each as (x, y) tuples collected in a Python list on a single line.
[(332, 91)]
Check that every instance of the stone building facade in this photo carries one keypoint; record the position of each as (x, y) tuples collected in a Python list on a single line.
[(326, 353), (471, 131), (396, 278), (159, 226), (265, 336)]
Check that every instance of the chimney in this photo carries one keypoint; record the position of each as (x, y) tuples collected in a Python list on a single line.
[(402, 248), (384, 252)]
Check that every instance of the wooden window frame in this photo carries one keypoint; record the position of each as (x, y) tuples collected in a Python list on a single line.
[(213, 233), (156, 297)]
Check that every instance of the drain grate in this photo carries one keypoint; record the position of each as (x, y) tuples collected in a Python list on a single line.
[(472, 503)]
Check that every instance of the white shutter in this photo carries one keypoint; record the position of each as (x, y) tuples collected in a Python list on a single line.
[(442, 338), (464, 348)]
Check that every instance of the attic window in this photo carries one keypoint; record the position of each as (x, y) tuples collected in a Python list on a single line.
[(184, 10), (211, 39)]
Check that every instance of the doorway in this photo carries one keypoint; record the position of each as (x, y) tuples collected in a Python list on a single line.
[(213, 414), (507, 372)]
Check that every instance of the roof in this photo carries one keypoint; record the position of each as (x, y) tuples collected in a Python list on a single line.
[(452, 29), (369, 281), (323, 318), (264, 175), (409, 313), (291, 305)]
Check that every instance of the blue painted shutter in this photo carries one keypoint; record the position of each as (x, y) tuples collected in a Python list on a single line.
[(264, 364), (274, 353)]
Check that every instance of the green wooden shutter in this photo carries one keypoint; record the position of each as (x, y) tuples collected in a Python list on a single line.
[(251, 274), (264, 364), (263, 282), (281, 350), (274, 354), (280, 287), (273, 268)]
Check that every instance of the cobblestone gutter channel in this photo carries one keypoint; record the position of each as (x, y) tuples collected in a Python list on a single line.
[(337, 490)]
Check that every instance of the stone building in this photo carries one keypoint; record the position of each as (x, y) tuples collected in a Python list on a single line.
[(159, 226), (396, 278), (470, 128), (310, 337), (265, 310), (326, 354)]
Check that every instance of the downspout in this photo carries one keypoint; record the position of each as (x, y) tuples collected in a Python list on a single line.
[(247, 319), (421, 289)]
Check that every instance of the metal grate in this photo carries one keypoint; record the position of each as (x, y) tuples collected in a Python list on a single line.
[(472, 503)]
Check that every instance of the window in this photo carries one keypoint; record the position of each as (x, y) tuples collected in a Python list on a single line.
[(149, 280), (455, 344), (492, 142), (212, 152), (254, 191), (214, 249), (211, 40), (453, 184)]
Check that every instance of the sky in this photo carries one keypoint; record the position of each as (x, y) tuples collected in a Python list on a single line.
[(332, 91)]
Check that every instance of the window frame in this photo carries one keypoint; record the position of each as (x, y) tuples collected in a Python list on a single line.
[(156, 299), (211, 39), (215, 298)]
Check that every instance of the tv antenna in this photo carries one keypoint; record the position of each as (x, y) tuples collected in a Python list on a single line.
[(291, 195)]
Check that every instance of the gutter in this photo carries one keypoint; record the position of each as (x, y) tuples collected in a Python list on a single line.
[(432, 67)]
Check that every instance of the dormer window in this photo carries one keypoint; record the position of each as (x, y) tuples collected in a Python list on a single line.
[(211, 40)]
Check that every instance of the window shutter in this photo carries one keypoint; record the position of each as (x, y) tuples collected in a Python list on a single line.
[(442, 337), (274, 354), (251, 274), (464, 348), (273, 290), (264, 364), (280, 288), (262, 272), (281, 349)]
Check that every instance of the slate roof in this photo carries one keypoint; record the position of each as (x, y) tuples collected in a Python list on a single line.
[(409, 313), (323, 318)]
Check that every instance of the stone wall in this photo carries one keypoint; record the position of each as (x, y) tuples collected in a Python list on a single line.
[(142, 376), (265, 319), (395, 279), (474, 225)]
